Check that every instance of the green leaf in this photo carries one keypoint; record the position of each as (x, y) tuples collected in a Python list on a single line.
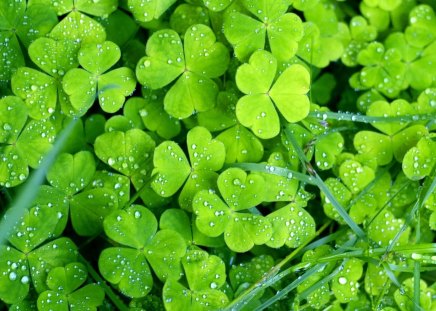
[(291, 225), (376, 145), (153, 116), (289, 93), (186, 15), (14, 275), (33, 229), (49, 300), (245, 33), (72, 173), (96, 8), (128, 269), (89, 296), (257, 113), (239, 190), (79, 27), (250, 271), (133, 226), (98, 58), (340, 192), (383, 109), (191, 93), (117, 183), (164, 253), (345, 284), (327, 148), (355, 175), (80, 86), (284, 34), (177, 297), (11, 55), (418, 161), (38, 90), (405, 303), (241, 145), (203, 271), (171, 168), (37, 22), (146, 11), (56, 253), (164, 62), (384, 228), (203, 54), (127, 152), (89, 208), (205, 152), (67, 279), (13, 116)]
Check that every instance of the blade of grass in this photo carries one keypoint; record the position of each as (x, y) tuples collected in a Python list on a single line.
[(347, 116), (30, 189), (323, 187)]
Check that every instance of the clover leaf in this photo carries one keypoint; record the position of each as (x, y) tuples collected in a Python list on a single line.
[(425, 294), (172, 168), (399, 138), (154, 117), (71, 174), (247, 34), (205, 275), (240, 191), (111, 88), (419, 60), (355, 175), (135, 228), (79, 28), (249, 272), (178, 220), (97, 8), (19, 269), (418, 162), (21, 24), (256, 110), (327, 148), (22, 144), (127, 152), (291, 225), (193, 66), (41, 91), (345, 285), (384, 227), (383, 71), (146, 10), (64, 292)]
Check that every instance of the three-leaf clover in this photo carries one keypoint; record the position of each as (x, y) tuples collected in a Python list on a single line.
[(205, 275), (247, 34), (397, 137), (193, 65), (127, 265), (28, 259), (111, 88), (20, 23), (22, 143), (242, 230), (256, 110), (64, 292), (70, 174), (42, 91), (172, 168)]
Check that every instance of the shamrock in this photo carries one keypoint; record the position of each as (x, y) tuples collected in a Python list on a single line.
[(23, 143), (127, 265), (64, 292), (288, 93), (21, 23), (205, 275), (247, 34), (111, 88), (193, 64), (242, 230), (172, 168)]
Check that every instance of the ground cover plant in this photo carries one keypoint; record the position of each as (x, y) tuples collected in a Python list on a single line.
[(217, 155)]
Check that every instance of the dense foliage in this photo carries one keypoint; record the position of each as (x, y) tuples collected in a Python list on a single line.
[(192, 154)]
